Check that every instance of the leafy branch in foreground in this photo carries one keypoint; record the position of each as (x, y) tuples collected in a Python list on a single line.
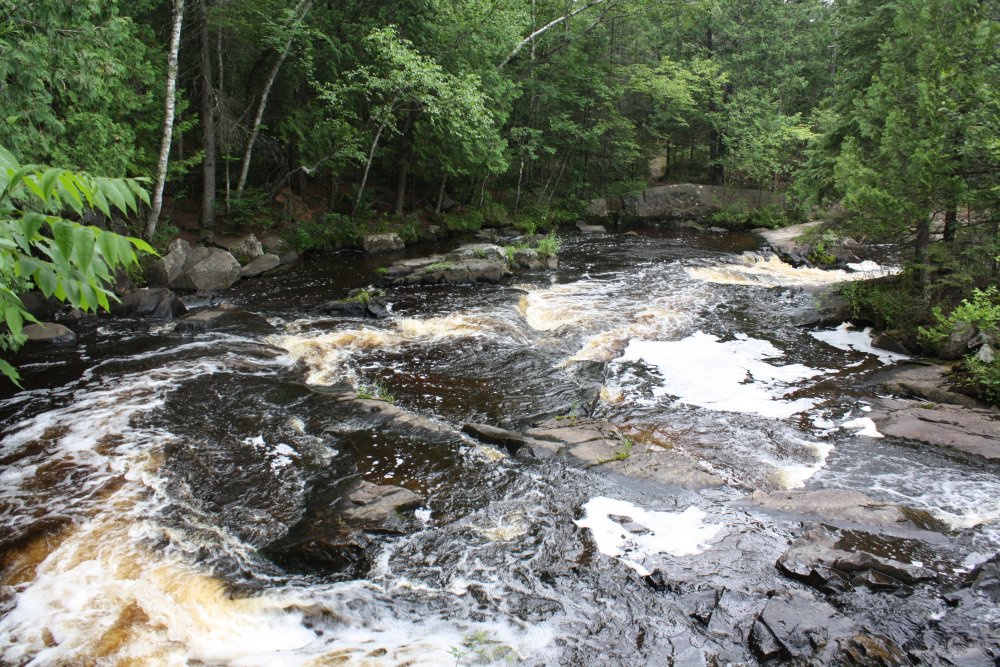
[(64, 259)]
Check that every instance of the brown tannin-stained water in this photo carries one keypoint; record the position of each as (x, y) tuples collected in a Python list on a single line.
[(150, 482)]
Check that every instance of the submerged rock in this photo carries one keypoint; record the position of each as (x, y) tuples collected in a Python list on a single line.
[(373, 507), (223, 316), (514, 442)]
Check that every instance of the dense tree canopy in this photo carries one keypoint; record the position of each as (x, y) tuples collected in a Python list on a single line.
[(523, 107)]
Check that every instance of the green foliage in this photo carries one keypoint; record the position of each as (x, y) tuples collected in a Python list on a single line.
[(982, 311), (979, 379), (441, 266), (548, 246), (251, 211), (63, 259), (731, 216), (330, 232), (891, 304), (375, 391), (464, 221)]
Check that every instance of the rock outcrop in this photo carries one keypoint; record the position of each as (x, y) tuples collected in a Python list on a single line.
[(684, 201), (471, 263), (158, 303), (845, 507), (971, 430), (48, 333), (224, 316), (381, 243), (262, 264)]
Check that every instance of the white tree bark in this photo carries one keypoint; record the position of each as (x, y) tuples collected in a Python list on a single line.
[(300, 13), (545, 28), (168, 120)]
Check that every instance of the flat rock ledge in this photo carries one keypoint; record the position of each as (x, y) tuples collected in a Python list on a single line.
[(974, 431), (602, 446), (846, 508), (472, 263)]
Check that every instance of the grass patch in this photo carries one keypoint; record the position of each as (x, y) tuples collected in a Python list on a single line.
[(375, 391)]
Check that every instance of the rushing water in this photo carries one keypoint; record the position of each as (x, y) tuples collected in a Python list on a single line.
[(146, 476)]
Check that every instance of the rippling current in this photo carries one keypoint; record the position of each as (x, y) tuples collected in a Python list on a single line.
[(145, 475)]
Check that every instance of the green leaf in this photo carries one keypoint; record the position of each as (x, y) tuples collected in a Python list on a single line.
[(62, 231), (11, 373), (14, 318), (83, 247), (46, 280)]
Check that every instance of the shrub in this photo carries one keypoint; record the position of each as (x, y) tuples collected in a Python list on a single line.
[(979, 379), (332, 232), (982, 312), (548, 245)]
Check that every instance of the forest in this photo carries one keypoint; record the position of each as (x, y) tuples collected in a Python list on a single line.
[(327, 119)]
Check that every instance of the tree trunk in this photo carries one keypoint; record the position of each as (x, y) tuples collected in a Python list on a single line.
[(368, 167), (223, 139), (520, 176), (920, 246), (440, 201), (950, 223), (207, 124), (300, 13), (170, 107), (530, 39)]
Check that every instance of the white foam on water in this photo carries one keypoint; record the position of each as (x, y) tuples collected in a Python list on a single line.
[(862, 426), (757, 271), (872, 269), (328, 355), (849, 339), (795, 475), (730, 376), (675, 533)]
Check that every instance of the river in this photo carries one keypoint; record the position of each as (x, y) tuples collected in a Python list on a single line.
[(148, 478)]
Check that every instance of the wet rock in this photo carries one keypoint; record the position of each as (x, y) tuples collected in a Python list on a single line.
[(381, 243), (48, 333), (158, 303), (794, 625), (224, 316), (819, 559), (925, 381), (600, 444), (986, 579), (259, 265), (360, 304), (513, 442), (838, 505), (373, 507), (487, 235), (787, 244), (382, 414), (590, 229), (884, 341), (528, 259), (207, 270), (323, 550), (970, 430), (474, 263)]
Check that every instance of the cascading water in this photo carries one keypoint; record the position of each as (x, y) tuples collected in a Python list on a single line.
[(149, 481)]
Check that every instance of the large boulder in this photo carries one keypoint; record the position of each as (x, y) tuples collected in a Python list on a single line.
[(244, 248), (381, 243), (49, 333), (208, 270), (157, 302), (262, 264), (528, 259), (959, 341)]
